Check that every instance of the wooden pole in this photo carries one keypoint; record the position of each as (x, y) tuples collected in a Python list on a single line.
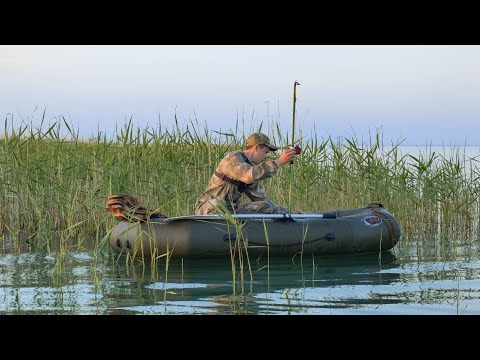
[(290, 191)]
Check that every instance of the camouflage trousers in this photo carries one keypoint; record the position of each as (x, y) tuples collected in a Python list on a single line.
[(261, 207), (254, 207)]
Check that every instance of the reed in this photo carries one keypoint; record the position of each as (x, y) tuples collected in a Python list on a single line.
[(54, 185), (238, 249)]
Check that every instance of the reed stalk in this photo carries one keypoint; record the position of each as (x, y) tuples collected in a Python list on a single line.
[(53, 184)]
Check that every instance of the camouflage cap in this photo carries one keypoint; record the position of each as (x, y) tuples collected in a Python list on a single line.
[(260, 139)]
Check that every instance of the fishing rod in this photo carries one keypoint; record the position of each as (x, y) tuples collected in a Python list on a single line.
[(292, 144)]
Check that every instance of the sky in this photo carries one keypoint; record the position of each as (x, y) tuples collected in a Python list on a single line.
[(414, 94)]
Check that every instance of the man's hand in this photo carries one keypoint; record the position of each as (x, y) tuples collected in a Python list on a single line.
[(286, 156)]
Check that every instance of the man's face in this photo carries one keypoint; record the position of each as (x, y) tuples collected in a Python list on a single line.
[(261, 151)]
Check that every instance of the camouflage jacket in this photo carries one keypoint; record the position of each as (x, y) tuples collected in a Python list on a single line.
[(235, 166)]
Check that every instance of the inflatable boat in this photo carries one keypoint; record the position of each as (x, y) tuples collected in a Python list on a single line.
[(347, 231)]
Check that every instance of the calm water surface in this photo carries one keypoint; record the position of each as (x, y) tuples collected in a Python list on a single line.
[(413, 279)]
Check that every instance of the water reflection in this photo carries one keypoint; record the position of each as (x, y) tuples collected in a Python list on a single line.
[(208, 286), (411, 280)]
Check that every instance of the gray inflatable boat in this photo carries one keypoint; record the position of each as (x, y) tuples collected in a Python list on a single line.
[(348, 231)]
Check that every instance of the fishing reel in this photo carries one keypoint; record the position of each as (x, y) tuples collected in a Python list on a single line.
[(298, 151)]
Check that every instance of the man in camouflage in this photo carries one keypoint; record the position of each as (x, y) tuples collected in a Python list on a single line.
[(239, 173)]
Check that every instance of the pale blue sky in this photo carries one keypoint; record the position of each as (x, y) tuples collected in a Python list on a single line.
[(423, 94)]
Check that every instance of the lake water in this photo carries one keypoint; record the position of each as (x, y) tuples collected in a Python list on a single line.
[(413, 279), (428, 277)]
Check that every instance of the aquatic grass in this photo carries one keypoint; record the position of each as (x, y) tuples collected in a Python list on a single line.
[(51, 179), (304, 235), (267, 240), (99, 245), (238, 248)]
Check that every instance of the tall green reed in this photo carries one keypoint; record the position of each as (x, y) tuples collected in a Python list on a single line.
[(53, 184)]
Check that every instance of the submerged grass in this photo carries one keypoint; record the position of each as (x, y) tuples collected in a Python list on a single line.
[(54, 185)]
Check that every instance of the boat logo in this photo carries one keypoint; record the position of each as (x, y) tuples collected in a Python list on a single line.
[(372, 220)]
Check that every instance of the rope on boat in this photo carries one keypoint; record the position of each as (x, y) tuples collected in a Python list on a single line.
[(388, 221)]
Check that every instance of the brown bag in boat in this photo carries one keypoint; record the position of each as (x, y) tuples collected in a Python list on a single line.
[(126, 208)]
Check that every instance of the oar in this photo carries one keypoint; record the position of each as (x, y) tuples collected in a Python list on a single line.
[(293, 144), (326, 215), (329, 215)]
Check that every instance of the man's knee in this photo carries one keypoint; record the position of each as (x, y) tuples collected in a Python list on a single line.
[(256, 207), (212, 206)]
